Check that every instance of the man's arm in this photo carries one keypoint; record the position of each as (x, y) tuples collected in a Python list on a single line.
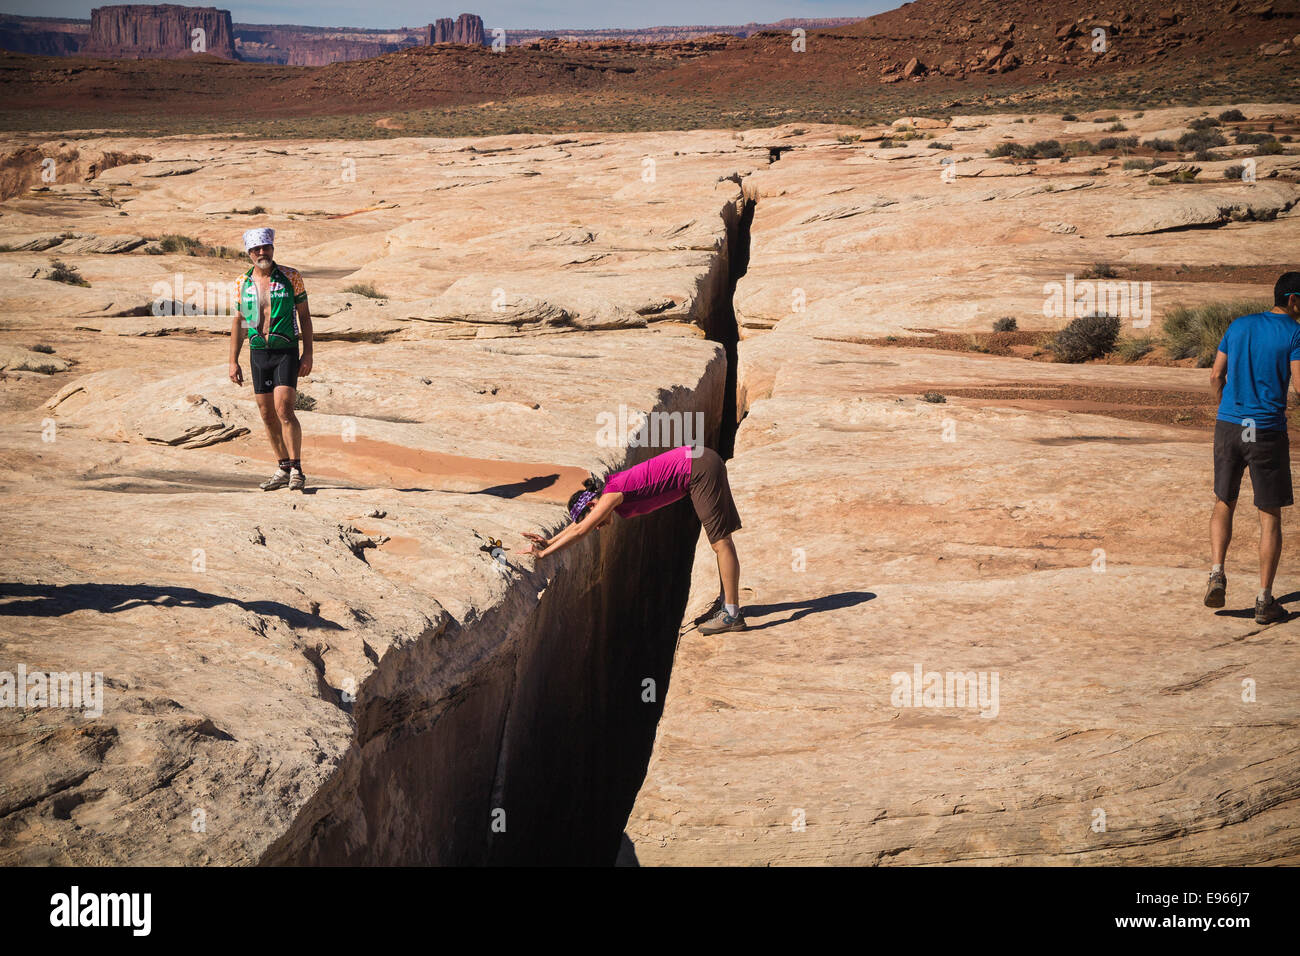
[(236, 342), (1219, 375), (304, 324), (1295, 376)]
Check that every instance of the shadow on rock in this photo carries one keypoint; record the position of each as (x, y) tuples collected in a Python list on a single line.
[(831, 602), (55, 600)]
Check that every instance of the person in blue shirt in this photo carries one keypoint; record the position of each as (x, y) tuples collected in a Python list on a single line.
[(1257, 356)]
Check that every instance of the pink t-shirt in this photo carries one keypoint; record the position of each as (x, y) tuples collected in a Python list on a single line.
[(656, 482)]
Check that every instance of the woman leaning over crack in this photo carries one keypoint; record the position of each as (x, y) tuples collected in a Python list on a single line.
[(651, 485)]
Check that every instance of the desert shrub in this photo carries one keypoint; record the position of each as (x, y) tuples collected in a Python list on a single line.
[(938, 145), (1234, 171), (1231, 116), (1046, 149), (365, 288), (304, 402), (1087, 337), (1106, 119), (1183, 176), (934, 398), (1136, 164), (62, 272), (43, 348), (1014, 150), (1080, 147), (1130, 350), (1107, 143), (1099, 270), (1160, 145), (1117, 128), (189, 246), (1246, 138), (1004, 324), (1270, 148), (1020, 120), (1201, 139), (1195, 331), (1069, 118), (1204, 122), (888, 143)]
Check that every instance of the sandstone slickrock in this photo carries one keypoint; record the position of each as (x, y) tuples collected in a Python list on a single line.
[(346, 677)]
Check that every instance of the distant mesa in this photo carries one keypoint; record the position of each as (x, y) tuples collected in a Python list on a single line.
[(159, 31), (466, 28)]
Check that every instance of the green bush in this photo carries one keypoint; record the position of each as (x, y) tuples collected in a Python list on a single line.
[(1232, 116), (938, 145), (1245, 138), (1234, 171), (1046, 149), (1160, 145), (1136, 164), (1117, 128), (1080, 147), (1195, 331), (1004, 324), (1069, 118), (1271, 148), (1087, 337), (1204, 122), (934, 398)]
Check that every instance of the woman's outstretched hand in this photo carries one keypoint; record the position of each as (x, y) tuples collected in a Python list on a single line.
[(537, 544)]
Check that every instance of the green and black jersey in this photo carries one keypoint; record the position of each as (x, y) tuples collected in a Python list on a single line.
[(287, 290)]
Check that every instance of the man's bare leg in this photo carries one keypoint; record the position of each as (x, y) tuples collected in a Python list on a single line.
[(1270, 548), (1221, 531), (290, 429), (266, 407)]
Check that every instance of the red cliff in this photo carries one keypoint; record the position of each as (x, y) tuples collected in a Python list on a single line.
[(159, 31)]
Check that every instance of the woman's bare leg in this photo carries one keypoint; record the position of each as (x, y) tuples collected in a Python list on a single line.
[(728, 569)]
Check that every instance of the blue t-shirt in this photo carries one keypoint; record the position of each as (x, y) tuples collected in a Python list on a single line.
[(1260, 349)]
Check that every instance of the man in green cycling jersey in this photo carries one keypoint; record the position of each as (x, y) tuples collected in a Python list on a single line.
[(272, 311)]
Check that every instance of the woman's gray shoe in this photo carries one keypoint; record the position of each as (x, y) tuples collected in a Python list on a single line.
[(279, 480), (1269, 613), (1216, 590), (711, 611), (722, 621)]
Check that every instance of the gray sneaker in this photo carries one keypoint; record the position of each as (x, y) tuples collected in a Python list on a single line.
[(722, 621), (298, 482), (279, 480), (1216, 590), (710, 611)]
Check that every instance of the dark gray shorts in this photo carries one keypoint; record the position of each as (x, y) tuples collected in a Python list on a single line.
[(711, 496), (1268, 457), (272, 367)]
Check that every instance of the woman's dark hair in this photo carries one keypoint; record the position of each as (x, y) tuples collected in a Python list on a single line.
[(1287, 286), (592, 484)]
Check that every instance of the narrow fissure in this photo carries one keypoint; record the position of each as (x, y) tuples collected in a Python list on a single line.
[(523, 737)]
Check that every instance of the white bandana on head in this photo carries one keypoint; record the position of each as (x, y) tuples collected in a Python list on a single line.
[(258, 237)]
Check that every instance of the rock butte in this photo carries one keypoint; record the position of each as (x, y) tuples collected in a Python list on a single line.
[(345, 677)]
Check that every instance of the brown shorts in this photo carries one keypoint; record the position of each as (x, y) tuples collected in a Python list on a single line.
[(711, 496)]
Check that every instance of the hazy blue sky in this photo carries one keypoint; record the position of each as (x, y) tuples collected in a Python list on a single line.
[(498, 13)]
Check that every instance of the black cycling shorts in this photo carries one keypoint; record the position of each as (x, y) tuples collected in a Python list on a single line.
[(272, 367)]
